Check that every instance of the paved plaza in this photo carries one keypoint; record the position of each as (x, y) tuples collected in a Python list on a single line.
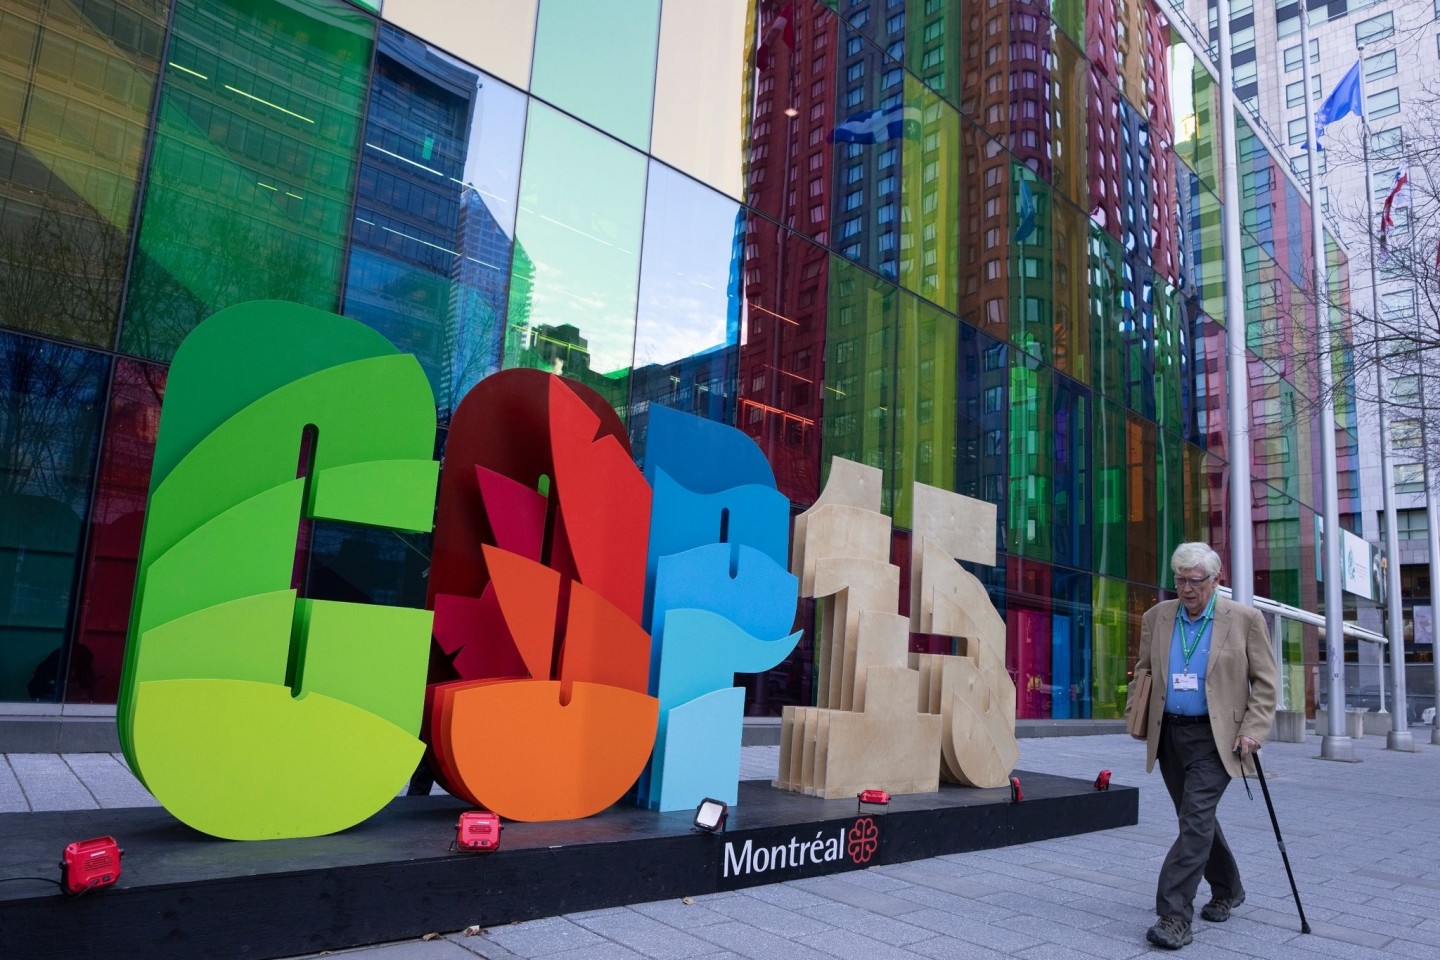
[(1363, 838)]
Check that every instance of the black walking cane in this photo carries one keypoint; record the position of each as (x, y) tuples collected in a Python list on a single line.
[(1265, 789)]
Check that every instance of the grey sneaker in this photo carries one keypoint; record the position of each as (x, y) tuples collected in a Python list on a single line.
[(1218, 909), (1172, 933)]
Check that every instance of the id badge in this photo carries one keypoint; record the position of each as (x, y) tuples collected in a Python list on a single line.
[(1185, 681)]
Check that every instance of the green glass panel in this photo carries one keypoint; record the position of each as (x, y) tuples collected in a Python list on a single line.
[(1107, 300), (1208, 262), (1069, 15), (1069, 258), (933, 32), (930, 165), (1032, 439), (577, 255), (1109, 467), (861, 327), (1207, 127), (76, 81), (597, 62), (926, 370), (1029, 242), (252, 166), (1110, 663), (1169, 344)]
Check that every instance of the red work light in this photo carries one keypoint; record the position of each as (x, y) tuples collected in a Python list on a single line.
[(874, 796), (478, 830), (1102, 782), (1016, 794), (89, 864)]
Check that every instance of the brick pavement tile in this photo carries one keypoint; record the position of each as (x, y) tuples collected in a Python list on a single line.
[(788, 896), (437, 949), (602, 951), (109, 780), (1053, 951), (948, 876), (679, 914), (885, 929), (1096, 942), (944, 948), (756, 943), (49, 784), (1104, 878), (1322, 929), (12, 798), (967, 908), (861, 898), (1111, 908), (849, 945), (1047, 910), (764, 916), (540, 938), (642, 934)]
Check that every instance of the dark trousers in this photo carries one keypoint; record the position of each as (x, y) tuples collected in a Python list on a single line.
[(1196, 779)]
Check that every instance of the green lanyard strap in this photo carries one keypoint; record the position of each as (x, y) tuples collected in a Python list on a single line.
[(1189, 646)]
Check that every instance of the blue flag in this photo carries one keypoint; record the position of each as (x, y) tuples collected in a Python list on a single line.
[(877, 126), (1343, 101), (1026, 225)]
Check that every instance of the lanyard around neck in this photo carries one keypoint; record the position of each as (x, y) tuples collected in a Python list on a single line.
[(1189, 643)]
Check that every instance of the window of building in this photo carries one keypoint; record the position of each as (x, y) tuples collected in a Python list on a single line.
[(1398, 304), (1296, 130), (1242, 39), (1387, 143), (1409, 478), (1405, 433), (1292, 55), (1380, 65), (1245, 73), (1386, 103), (1411, 525), (1376, 28)]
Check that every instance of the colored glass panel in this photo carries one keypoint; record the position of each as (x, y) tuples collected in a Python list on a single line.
[(116, 523), (75, 87), (982, 414), (50, 400), (1069, 263), (874, 135), (930, 255), (934, 34), (252, 165), (687, 330), (597, 62), (1108, 299), (503, 47), (860, 347), (700, 100), (1171, 366), (1141, 534), (1072, 642), (1031, 458), (1070, 481), (784, 382), (1030, 265), (1069, 15), (1110, 662), (1170, 497), (926, 370), (1029, 641), (573, 293), (1109, 514), (435, 205), (1068, 73)]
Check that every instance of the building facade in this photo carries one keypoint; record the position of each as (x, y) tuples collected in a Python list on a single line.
[(1398, 44), (975, 243)]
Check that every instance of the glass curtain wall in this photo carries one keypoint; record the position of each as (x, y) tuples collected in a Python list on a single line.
[(974, 244)]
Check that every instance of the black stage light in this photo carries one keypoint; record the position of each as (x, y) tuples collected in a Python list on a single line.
[(711, 814)]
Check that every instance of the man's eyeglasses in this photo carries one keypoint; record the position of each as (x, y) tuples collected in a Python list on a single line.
[(1189, 581)]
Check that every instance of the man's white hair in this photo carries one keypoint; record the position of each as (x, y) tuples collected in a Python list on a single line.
[(1195, 554)]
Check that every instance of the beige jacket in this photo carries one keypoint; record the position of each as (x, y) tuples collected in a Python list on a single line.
[(1240, 676)]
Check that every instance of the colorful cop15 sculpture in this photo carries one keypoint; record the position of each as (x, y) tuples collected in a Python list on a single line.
[(592, 642)]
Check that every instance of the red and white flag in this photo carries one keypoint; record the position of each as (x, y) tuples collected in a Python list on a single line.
[(1399, 196)]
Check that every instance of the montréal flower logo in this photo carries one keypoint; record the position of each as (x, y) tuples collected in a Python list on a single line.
[(863, 839)]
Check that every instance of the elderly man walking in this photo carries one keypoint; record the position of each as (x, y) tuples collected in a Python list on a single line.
[(1211, 705)]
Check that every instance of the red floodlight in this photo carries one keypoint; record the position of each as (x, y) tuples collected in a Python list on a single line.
[(89, 864), (1016, 794), (874, 796), (478, 830), (1102, 782)]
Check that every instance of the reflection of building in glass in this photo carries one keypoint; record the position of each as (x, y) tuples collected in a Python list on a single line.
[(976, 244)]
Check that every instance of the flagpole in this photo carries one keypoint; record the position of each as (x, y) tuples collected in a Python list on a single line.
[(1399, 737), (1242, 563), (1334, 743)]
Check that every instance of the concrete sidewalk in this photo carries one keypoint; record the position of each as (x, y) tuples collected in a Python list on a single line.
[(1364, 840)]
